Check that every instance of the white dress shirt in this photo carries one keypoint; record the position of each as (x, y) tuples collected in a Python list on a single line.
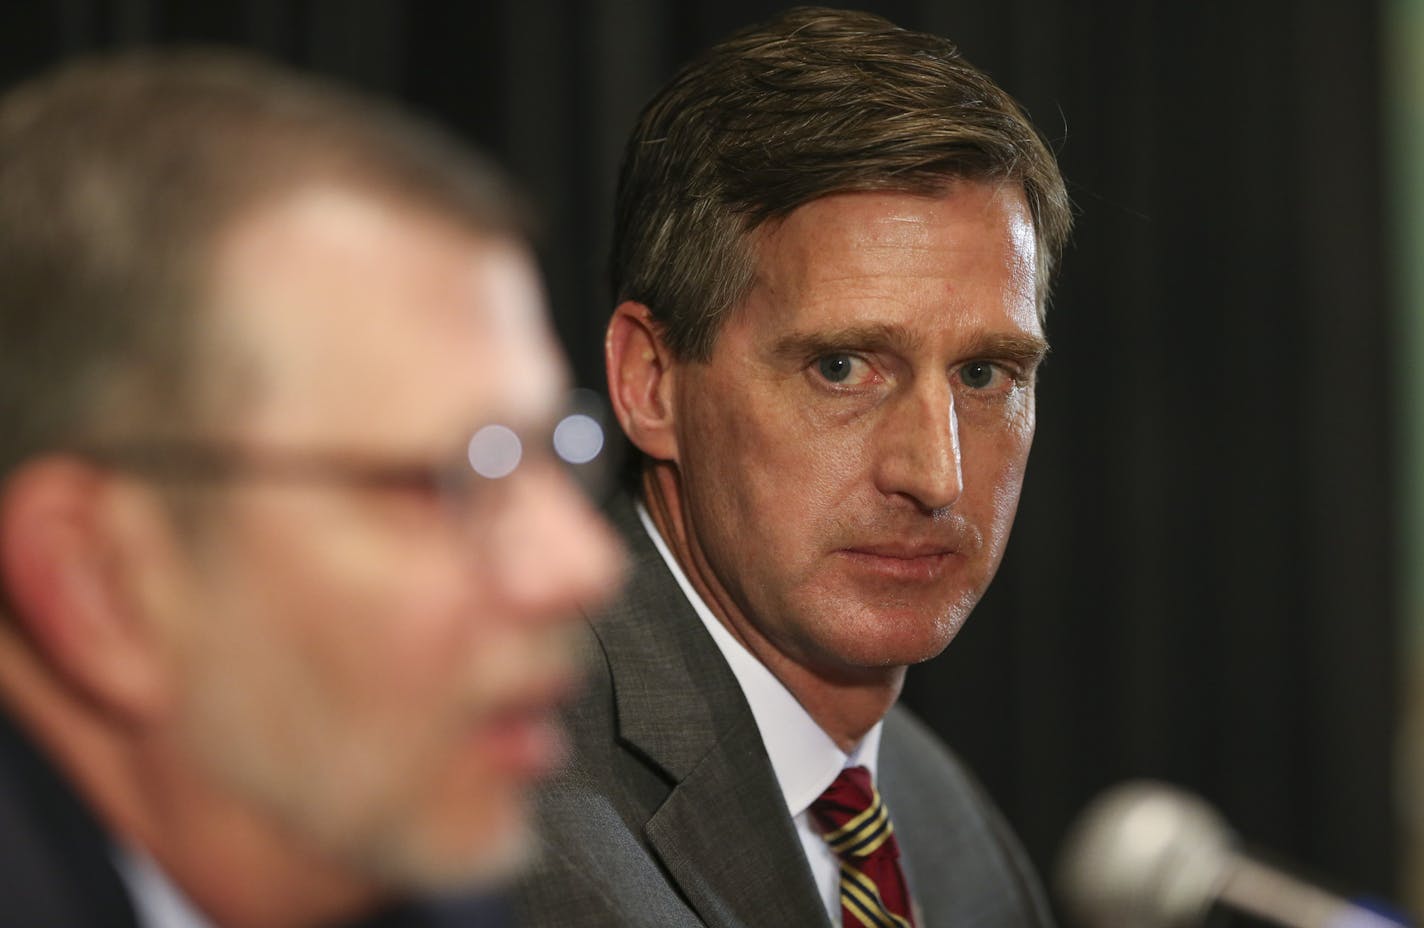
[(804, 757)]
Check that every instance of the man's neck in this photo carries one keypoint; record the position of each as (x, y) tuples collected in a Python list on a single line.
[(845, 705), (235, 868)]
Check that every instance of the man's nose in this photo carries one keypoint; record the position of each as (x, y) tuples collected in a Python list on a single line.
[(554, 554), (919, 449)]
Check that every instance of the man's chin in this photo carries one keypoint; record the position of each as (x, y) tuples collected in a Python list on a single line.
[(435, 863), (886, 638)]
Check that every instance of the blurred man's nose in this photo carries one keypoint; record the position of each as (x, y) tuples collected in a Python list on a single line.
[(918, 449), (553, 555)]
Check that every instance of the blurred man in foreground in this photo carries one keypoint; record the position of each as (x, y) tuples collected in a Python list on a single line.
[(833, 247), (283, 627)]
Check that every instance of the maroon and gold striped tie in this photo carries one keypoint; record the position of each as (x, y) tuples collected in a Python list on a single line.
[(854, 823)]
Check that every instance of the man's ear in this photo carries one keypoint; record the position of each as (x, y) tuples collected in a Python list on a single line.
[(641, 379), (65, 565)]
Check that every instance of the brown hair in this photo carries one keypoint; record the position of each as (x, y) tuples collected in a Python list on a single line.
[(814, 102), (118, 174)]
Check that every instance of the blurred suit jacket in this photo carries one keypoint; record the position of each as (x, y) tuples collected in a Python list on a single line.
[(671, 814), (57, 869)]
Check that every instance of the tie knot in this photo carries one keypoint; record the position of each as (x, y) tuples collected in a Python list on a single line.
[(852, 818)]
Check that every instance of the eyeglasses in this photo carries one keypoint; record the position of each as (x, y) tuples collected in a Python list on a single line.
[(578, 442)]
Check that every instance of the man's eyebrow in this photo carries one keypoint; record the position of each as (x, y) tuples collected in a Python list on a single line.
[(800, 346), (1025, 349)]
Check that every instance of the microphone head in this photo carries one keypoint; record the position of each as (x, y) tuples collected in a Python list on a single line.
[(1144, 855)]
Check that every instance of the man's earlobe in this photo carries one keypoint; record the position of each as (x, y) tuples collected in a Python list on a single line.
[(641, 380), (62, 567)]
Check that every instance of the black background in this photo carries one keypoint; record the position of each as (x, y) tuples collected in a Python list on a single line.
[(1200, 582)]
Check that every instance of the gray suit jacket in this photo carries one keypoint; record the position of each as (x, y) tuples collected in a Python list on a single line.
[(671, 815)]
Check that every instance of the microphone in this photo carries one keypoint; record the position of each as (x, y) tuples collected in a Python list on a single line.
[(1148, 855)]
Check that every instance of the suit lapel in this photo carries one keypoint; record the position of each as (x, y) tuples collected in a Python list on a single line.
[(725, 837), (723, 832)]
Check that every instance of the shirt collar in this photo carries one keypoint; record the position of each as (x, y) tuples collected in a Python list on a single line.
[(157, 902), (803, 756)]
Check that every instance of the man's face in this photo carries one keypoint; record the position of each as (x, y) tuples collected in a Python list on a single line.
[(850, 457), (372, 673)]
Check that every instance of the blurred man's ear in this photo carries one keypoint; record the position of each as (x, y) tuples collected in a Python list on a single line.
[(641, 374), (65, 556)]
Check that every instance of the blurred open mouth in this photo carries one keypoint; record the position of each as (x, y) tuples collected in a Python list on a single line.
[(523, 736)]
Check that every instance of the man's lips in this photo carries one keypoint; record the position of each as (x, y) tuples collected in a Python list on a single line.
[(903, 550), (523, 735), (908, 562)]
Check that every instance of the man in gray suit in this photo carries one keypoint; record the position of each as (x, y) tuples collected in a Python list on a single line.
[(833, 247)]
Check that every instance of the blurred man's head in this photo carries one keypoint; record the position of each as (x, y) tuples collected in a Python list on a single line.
[(834, 241), (248, 326)]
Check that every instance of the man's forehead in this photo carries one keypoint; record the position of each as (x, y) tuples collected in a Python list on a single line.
[(852, 260), (354, 306), (987, 213)]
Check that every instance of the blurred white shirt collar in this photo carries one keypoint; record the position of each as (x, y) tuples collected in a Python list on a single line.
[(157, 902)]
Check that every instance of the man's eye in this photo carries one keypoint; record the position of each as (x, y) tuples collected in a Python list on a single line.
[(414, 484), (978, 375), (840, 368)]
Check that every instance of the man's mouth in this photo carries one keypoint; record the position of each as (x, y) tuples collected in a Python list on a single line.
[(908, 562), (523, 736)]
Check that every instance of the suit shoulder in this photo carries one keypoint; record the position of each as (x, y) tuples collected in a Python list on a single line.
[(55, 867)]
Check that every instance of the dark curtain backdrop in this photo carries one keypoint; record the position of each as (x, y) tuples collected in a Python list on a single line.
[(1199, 585)]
